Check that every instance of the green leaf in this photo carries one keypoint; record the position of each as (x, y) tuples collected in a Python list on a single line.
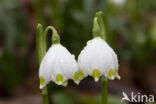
[(40, 42)]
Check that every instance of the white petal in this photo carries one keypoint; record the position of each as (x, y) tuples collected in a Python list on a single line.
[(57, 62), (56, 70), (64, 63), (45, 67), (98, 55), (116, 64)]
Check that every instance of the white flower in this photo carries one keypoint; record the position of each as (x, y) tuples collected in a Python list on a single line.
[(58, 65), (97, 59)]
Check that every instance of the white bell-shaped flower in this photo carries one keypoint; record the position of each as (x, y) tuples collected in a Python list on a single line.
[(58, 65), (97, 59)]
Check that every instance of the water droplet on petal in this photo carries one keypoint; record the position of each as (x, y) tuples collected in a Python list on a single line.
[(96, 79)]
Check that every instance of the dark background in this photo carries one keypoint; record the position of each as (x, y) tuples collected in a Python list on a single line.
[(131, 33)]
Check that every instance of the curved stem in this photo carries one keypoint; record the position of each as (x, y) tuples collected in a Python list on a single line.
[(101, 25), (103, 33), (100, 30), (41, 50), (55, 37), (96, 28)]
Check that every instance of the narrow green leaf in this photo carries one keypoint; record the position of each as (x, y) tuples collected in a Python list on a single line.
[(41, 51), (40, 43)]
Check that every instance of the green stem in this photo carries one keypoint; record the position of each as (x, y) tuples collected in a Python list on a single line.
[(96, 28), (55, 37), (100, 30), (41, 51), (103, 31), (100, 25), (45, 96), (104, 90)]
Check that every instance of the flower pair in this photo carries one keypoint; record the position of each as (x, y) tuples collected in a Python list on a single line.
[(96, 59)]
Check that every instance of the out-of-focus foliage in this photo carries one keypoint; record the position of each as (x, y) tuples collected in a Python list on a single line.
[(131, 32), (68, 97), (12, 24), (13, 27)]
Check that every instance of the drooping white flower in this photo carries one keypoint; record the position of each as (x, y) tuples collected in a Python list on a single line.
[(97, 59), (58, 65)]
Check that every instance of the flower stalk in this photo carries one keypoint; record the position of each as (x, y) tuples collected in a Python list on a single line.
[(104, 90), (58, 64), (55, 37), (41, 51), (100, 25), (99, 29)]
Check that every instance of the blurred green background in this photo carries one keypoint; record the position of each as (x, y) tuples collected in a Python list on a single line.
[(131, 28)]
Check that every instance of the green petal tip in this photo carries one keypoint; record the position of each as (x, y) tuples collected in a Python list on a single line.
[(111, 73), (59, 79), (76, 77), (96, 74), (42, 80)]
